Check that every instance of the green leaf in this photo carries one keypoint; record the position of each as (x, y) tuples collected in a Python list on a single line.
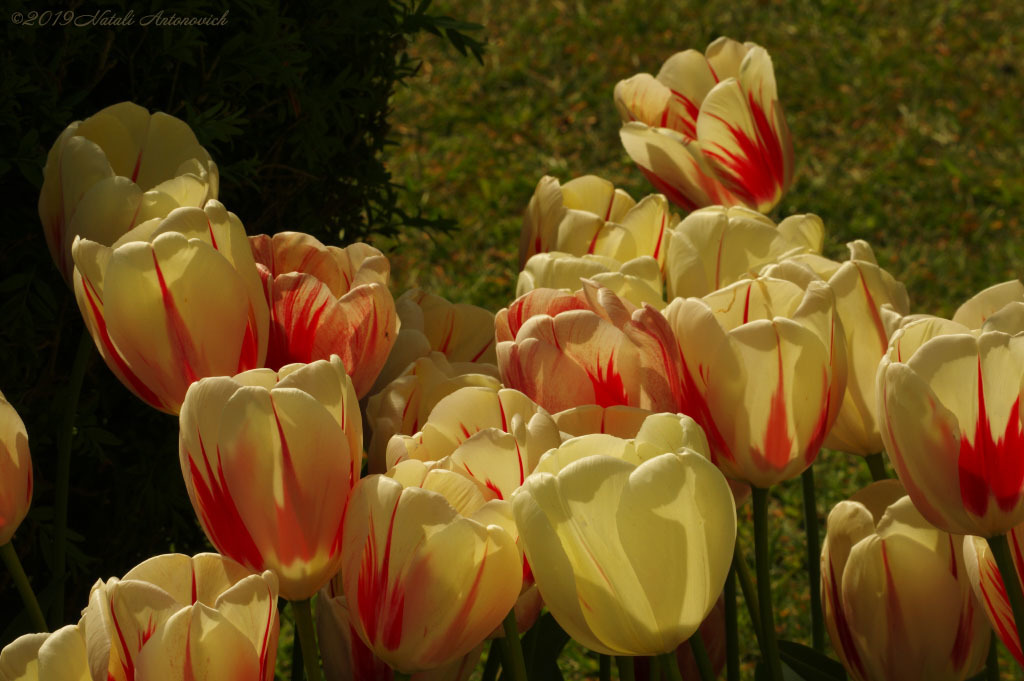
[(763, 673), (809, 663)]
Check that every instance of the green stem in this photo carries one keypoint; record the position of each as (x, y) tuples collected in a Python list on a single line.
[(877, 467), (769, 647), (28, 597), (306, 636), (671, 665), (605, 668), (65, 436), (654, 668), (992, 666), (624, 663), (739, 563), (700, 654), (512, 649), (813, 559), (732, 629), (400, 676), (493, 660), (1001, 550)]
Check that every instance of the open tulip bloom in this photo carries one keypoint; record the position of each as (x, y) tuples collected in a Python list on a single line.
[(709, 129)]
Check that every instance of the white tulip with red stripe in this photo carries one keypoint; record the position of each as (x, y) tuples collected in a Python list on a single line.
[(990, 589), (15, 471), (60, 656)]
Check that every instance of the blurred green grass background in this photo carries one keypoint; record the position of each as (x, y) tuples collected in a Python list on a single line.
[(907, 128)]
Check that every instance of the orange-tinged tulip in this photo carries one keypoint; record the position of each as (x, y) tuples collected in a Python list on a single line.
[(763, 370), (430, 323), (709, 129), (990, 589), (60, 656), (637, 280), (403, 406), (15, 471), (861, 288), (948, 398), (269, 459), (172, 301), (629, 550), (591, 347), (429, 567), (177, 617), (717, 246), (346, 657), (325, 301), (897, 601), (588, 215), (115, 170)]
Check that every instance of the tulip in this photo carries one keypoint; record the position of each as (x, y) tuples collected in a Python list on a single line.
[(861, 289), (565, 350), (325, 301), (717, 246), (404, 405), (989, 588), (637, 280), (712, 634), (15, 471), (948, 398), (115, 170), (60, 656), (461, 332), (180, 617), (172, 301), (784, 332), (269, 459), (617, 420), (709, 129), (897, 603), (429, 566), (981, 306), (630, 550), (346, 657)]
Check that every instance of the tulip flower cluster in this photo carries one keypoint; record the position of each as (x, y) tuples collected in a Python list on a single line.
[(580, 452)]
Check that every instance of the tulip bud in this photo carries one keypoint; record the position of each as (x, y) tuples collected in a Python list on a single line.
[(115, 170), (269, 459), (896, 597), (15, 471)]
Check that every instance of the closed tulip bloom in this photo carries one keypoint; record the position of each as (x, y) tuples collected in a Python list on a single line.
[(763, 370), (430, 567), (269, 459), (60, 656), (325, 301), (949, 401), (15, 471), (403, 406), (717, 246), (981, 306), (990, 589), (591, 347), (861, 288), (178, 617), (629, 550), (897, 601), (117, 169), (346, 657), (172, 301), (637, 280), (709, 129)]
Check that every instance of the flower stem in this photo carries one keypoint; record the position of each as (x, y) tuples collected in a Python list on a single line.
[(671, 665), (877, 467), (512, 649), (1001, 550), (28, 597), (700, 654), (813, 559), (605, 667), (739, 563), (492, 664), (63, 482), (625, 666), (992, 665), (732, 629), (306, 638), (769, 645)]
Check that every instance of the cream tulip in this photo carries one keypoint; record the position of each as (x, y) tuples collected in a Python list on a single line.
[(172, 301), (60, 656), (990, 589), (897, 601), (115, 170), (269, 459), (15, 471), (637, 280)]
